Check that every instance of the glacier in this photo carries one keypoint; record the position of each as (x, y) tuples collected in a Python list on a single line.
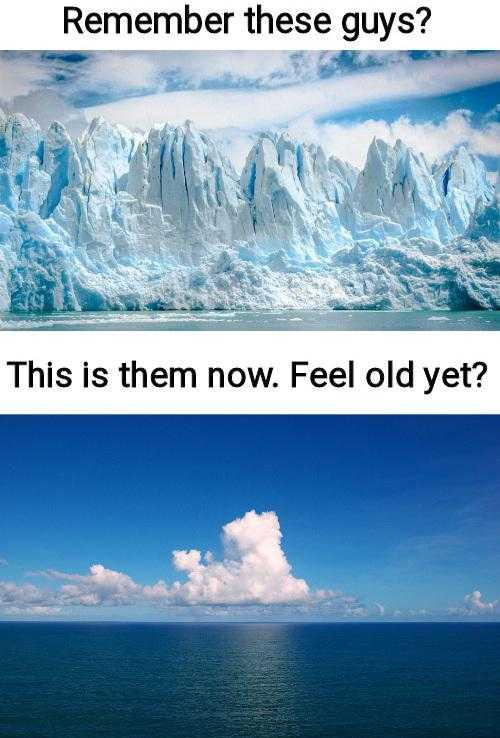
[(116, 220)]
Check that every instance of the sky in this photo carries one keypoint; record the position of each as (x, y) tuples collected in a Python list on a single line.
[(434, 101), (305, 518)]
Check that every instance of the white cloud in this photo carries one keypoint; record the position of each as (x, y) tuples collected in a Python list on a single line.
[(235, 116), (474, 603), (35, 610), (415, 614), (279, 90), (475, 606), (21, 75), (100, 586), (46, 106), (24, 598), (253, 579), (125, 72), (350, 141), (253, 109), (366, 58), (265, 68), (3, 561), (119, 71), (254, 569), (253, 573)]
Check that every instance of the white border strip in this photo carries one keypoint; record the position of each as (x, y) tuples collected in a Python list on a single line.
[(31, 24), (230, 349)]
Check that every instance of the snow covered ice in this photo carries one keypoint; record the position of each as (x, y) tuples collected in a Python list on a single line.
[(116, 221)]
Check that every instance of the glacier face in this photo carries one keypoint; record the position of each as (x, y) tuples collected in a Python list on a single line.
[(114, 220)]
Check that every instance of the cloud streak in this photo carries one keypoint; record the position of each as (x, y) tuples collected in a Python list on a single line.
[(119, 73), (254, 109), (235, 95)]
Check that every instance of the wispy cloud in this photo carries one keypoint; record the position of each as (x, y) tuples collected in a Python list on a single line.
[(308, 109), (468, 528), (235, 95), (118, 73), (22, 75), (253, 109)]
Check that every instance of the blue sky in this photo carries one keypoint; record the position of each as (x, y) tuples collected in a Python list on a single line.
[(380, 517), (435, 101)]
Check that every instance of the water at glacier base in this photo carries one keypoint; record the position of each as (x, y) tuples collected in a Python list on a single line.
[(261, 320)]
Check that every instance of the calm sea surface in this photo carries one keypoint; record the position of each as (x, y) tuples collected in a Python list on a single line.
[(273, 320), (252, 681)]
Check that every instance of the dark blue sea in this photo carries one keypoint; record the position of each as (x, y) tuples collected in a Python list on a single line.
[(257, 681)]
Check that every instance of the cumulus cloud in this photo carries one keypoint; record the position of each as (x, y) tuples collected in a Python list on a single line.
[(254, 569), (26, 599), (100, 586), (475, 606), (474, 603), (253, 573), (253, 577)]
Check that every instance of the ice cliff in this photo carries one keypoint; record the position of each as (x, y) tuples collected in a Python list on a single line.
[(113, 220)]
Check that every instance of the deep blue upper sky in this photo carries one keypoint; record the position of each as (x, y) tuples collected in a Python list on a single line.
[(403, 511)]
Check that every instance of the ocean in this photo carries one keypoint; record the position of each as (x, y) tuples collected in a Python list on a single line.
[(259, 320), (249, 680)]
